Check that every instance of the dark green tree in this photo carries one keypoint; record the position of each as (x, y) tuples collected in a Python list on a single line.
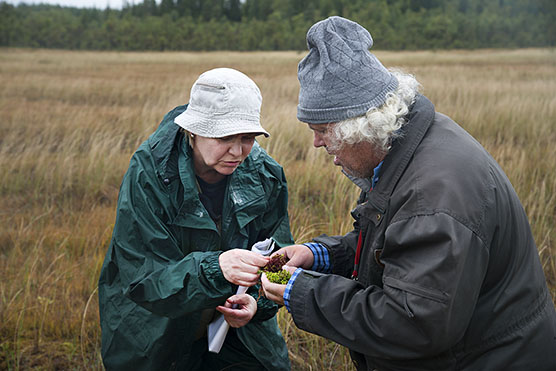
[(279, 24), (232, 10), (167, 6)]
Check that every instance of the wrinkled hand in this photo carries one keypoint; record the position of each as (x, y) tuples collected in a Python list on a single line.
[(241, 267), (242, 314), (275, 291), (298, 256)]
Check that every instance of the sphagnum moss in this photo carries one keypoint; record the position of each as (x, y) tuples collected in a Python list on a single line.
[(274, 272)]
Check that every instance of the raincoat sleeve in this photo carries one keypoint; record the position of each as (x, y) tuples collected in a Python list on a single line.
[(154, 271), (276, 222), (266, 309), (432, 275), (276, 225)]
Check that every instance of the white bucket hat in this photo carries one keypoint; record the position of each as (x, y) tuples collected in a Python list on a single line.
[(223, 102)]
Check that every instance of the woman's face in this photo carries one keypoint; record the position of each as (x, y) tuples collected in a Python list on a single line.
[(214, 158)]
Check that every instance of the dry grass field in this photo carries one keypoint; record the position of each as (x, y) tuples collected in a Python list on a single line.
[(69, 122)]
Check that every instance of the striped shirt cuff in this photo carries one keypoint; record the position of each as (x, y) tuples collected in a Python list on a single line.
[(289, 288), (321, 259)]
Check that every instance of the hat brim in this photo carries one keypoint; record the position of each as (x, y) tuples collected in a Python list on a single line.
[(218, 127)]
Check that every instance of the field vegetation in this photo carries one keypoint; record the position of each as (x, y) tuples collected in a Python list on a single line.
[(69, 122)]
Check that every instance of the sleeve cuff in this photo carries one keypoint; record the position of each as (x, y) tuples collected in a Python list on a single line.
[(289, 288), (321, 258)]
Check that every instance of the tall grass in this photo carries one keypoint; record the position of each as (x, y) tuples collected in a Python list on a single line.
[(69, 122)]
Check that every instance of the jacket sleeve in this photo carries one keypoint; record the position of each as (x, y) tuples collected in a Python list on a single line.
[(341, 250), (266, 309), (434, 267), (276, 221), (154, 272), (276, 224)]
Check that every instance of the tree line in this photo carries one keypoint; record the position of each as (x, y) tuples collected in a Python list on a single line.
[(279, 24)]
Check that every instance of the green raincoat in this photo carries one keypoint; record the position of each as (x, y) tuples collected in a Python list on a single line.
[(161, 269)]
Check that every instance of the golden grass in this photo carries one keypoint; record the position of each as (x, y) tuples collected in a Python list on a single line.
[(69, 121)]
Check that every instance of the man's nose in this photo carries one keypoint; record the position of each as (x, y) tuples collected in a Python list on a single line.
[(317, 141)]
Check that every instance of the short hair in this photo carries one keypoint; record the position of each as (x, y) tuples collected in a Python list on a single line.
[(380, 125)]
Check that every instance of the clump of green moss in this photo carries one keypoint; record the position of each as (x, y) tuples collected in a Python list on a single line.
[(281, 277), (274, 271)]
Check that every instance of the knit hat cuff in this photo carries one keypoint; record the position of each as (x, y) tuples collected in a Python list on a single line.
[(336, 114)]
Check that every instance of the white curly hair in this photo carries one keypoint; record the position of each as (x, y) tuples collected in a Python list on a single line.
[(380, 125)]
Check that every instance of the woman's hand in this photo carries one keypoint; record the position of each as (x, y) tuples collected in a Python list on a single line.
[(241, 267), (242, 314)]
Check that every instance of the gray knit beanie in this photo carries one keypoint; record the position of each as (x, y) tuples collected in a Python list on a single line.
[(340, 78)]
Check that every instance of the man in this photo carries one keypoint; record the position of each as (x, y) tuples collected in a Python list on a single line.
[(441, 271)]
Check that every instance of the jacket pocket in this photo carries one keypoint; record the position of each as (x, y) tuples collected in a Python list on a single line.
[(425, 292), (407, 288)]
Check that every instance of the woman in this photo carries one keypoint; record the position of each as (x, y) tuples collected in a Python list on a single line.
[(197, 195)]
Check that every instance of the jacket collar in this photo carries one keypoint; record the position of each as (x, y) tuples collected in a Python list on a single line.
[(162, 141), (420, 119)]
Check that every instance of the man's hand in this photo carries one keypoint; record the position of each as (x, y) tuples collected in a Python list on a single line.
[(299, 256), (242, 314), (273, 291), (241, 267)]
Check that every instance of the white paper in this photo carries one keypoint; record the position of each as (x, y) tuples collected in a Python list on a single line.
[(218, 329), (263, 247)]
